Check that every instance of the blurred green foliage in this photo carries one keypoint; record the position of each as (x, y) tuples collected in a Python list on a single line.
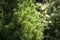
[(50, 10), (7, 20), (20, 20), (29, 20)]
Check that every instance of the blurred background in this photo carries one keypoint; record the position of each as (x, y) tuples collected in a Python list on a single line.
[(29, 19)]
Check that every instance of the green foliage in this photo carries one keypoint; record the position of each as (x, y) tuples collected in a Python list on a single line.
[(6, 19), (19, 20), (28, 21), (51, 15)]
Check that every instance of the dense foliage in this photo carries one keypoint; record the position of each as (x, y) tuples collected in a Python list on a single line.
[(19, 20), (51, 14), (7, 26), (29, 20)]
